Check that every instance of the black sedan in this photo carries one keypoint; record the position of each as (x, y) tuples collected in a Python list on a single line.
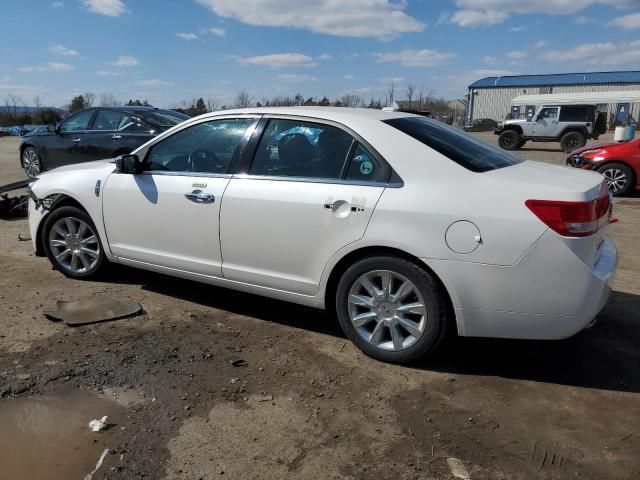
[(481, 125), (93, 134)]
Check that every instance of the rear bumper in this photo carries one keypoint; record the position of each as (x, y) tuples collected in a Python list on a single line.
[(548, 294)]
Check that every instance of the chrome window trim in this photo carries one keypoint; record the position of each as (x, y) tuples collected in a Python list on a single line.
[(328, 181), (186, 174)]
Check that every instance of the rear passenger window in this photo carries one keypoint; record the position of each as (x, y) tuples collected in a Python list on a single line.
[(364, 167), (291, 148)]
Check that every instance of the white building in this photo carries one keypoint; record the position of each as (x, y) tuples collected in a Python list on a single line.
[(492, 97)]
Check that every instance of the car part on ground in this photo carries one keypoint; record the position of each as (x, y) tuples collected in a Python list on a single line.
[(94, 310), (13, 206)]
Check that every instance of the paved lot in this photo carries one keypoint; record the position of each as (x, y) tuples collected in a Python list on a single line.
[(308, 404)]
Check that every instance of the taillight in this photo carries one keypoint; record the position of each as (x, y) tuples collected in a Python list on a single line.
[(572, 219)]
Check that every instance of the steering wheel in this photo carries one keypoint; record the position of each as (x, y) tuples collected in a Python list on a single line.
[(207, 162)]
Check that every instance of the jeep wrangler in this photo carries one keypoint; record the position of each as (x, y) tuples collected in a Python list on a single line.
[(571, 125)]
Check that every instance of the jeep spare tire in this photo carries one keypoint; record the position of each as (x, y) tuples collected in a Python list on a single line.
[(572, 140), (509, 140)]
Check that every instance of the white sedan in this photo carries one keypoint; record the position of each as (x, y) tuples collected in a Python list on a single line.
[(401, 225)]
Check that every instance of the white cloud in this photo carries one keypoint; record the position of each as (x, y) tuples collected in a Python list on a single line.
[(296, 78), (187, 36), (392, 79), (382, 19), (489, 60), (49, 67), (473, 13), (540, 44), (349, 77), (110, 8), (278, 60), (220, 32), (517, 54), (153, 82), (628, 22), (519, 28), (626, 53), (107, 73), (57, 4), (415, 58), (325, 56), (584, 20), (62, 50), (125, 61)]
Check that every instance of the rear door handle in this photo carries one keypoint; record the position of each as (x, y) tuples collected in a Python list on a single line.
[(198, 196), (116, 137), (76, 140)]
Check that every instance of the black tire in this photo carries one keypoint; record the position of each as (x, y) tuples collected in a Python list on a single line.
[(619, 176), (509, 140), (522, 143), (78, 249), (571, 141), (433, 323), (31, 162)]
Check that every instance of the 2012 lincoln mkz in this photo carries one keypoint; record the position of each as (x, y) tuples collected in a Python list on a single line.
[(402, 225)]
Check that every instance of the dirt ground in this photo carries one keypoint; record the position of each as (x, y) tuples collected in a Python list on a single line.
[(306, 404)]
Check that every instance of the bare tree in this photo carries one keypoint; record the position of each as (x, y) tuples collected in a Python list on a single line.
[(37, 103), (411, 88), (212, 104), (109, 100), (350, 100), (243, 99), (390, 94), (89, 99), (11, 102), (420, 96)]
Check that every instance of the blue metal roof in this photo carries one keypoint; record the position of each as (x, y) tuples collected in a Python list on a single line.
[(590, 78)]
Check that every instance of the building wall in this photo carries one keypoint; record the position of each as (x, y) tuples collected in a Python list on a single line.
[(495, 103)]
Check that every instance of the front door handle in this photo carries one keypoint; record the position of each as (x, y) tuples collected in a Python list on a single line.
[(116, 137), (198, 196), (76, 140)]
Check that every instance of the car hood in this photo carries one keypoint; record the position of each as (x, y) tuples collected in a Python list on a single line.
[(78, 167), (598, 146), (513, 122)]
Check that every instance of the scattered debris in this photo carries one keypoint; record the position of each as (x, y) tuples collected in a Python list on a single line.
[(625, 437), (265, 398), (97, 425), (15, 206), (98, 465), (458, 469), (239, 363), (101, 309), (23, 238)]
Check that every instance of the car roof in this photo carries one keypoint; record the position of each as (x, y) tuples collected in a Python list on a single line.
[(337, 114)]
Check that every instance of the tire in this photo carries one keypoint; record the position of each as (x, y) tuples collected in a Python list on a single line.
[(522, 143), (31, 162), (84, 258), (571, 141), (619, 176), (376, 329), (509, 140)]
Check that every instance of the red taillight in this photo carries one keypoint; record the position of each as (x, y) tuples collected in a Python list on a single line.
[(572, 219)]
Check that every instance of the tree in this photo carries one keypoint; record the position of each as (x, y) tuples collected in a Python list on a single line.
[(310, 102), (243, 99), (37, 103), (12, 101), (89, 99), (350, 100), (199, 108), (390, 94), (77, 103), (298, 100), (109, 100), (212, 104), (324, 102), (411, 88), (138, 103)]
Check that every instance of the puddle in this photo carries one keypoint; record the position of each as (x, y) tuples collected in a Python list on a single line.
[(47, 437)]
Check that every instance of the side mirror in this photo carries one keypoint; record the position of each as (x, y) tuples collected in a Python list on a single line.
[(129, 164)]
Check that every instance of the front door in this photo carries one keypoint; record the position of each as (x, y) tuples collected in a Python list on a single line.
[(546, 123), (310, 191), (66, 146), (169, 215)]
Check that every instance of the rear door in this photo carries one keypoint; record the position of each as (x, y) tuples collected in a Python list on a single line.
[(113, 133), (309, 191)]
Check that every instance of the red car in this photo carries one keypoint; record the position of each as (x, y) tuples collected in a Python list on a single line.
[(619, 162)]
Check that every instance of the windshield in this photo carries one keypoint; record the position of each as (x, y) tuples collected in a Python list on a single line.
[(164, 118), (462, 148)]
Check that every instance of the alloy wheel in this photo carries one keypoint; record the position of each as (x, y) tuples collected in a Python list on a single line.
[(387, 310), (31, 162), (616, 179), (74, 245)]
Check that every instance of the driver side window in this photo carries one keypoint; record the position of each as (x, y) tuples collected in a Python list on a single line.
[(207, 147), (77, 123), (548, 113)]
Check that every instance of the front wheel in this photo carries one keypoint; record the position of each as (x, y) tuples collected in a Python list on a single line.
[(619, 178), (31, 162), (509, 140), (71, 242), (391, 309)]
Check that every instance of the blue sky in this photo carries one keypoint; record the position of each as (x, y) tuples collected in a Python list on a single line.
[(172, 50)]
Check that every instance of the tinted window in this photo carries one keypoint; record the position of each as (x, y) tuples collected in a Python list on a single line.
[(577, 113), (454, 144), (77, 123), (206, 147), (110, 120), (163, 119), (291, 148), (364, 167)]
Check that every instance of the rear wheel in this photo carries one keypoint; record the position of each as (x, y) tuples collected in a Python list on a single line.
[(572, 140), (71, 242), (391, 309), (31, 162), (509, 140), (619, 177)]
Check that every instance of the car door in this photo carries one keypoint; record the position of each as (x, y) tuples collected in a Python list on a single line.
[(309, 191), (114, 133), (168, 215), (546, 123), (65, 147)]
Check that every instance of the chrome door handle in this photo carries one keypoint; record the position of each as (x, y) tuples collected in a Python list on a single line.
[(555, 121), (116, 137), (198, 196), (76, 140)]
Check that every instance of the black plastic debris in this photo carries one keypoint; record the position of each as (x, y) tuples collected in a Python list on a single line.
[(13, 206), (100, 309)]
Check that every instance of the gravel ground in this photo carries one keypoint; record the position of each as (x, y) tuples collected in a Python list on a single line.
[(307, 404)]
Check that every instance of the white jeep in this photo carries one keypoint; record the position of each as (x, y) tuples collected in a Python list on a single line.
[(571, 125)]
